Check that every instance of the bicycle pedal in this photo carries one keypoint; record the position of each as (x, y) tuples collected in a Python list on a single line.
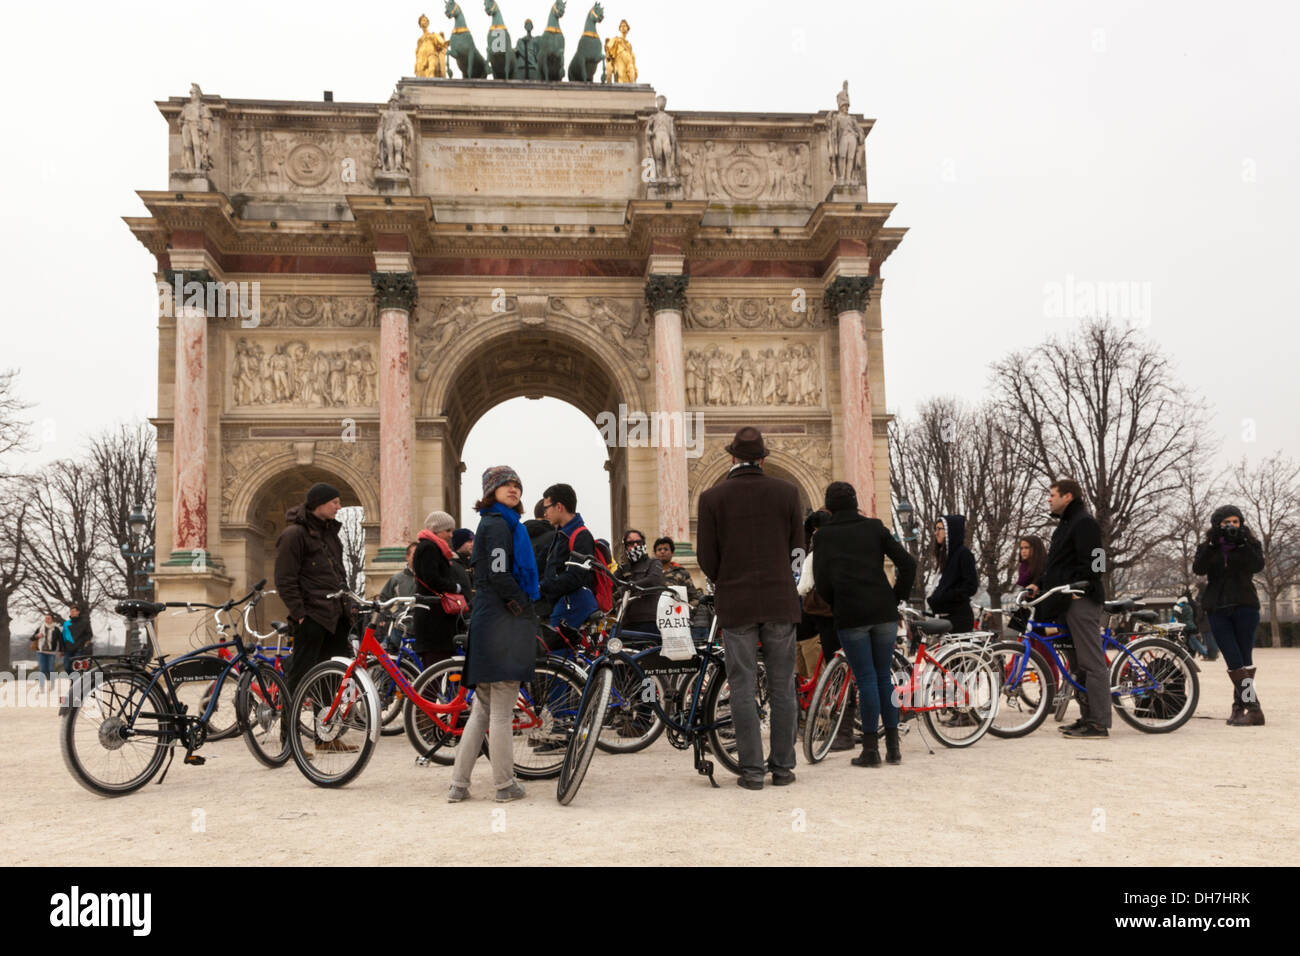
[(194, 760)]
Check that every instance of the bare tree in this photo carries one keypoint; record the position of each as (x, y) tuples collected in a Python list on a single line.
[(13, 558), (1102, 406), (13, 429), (1270, 500), (353, 537), (64, 540), (124, 465)]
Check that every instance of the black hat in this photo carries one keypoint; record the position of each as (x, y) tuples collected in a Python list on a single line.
[(840, 496), (1227, 511), (747, 445), (319, 494)]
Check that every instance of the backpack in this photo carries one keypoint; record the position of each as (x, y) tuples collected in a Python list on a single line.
[(604, 587)]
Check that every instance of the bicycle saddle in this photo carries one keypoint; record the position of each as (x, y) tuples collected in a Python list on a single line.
[(934, 625), (1119, 607), (280, 627), (134, 608), (1148, 617)]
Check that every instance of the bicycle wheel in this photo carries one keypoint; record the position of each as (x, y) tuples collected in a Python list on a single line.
[(546, 712), (195, 695), (391, 699), (1156, 689), (586, 733), (1025, 704), (966, 689), (830, 700), (103, 749), (438, 684), (331, 749), (260, 702), (632, 723)]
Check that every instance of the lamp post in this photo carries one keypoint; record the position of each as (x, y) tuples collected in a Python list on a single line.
[(137, 525), (910, 536)]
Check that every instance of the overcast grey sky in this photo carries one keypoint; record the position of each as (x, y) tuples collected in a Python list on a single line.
[(1025, 144)]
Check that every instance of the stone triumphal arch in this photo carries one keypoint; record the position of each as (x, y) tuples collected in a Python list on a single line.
[(374, 277)]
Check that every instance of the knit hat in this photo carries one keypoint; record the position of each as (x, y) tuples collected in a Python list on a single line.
[(499, 475), (459, 537), (840, 496), (1227, 511), (439, 521), (319, 494)]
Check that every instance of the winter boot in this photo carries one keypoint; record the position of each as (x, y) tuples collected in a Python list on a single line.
[(1238, 705), (1254, 716), (844, 736), (870, 756), (892, 753)]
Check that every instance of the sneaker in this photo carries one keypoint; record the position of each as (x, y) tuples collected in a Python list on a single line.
[(1089, 731), (513, 792), (1070, 728), (457, 794), (782, 778), (749, 783)]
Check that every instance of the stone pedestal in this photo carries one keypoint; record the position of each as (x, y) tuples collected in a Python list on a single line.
[(846, 299), (177, 580), (190, 181), (666, 298), (847, 192), (392, 184), (665, 189), (395, 299)]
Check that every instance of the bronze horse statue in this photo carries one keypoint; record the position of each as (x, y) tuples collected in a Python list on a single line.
[(461, 46), (590, 53), (550, 51), (500, 55)]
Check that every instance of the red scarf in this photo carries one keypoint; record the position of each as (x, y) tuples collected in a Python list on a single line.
[(443, 546)]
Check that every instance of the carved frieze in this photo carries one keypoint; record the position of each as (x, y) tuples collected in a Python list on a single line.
[(746, 171), (726, 374), (770, 312), (302, 311), (296, 374), (307, 161)]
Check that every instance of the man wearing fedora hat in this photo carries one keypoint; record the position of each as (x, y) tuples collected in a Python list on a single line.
[(750, 531)]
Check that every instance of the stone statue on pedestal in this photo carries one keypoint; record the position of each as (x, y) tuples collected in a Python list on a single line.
[(847, 146), (196, 131), (661, 145), (395, 137)]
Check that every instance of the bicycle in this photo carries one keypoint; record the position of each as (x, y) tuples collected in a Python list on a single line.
[(279, 630), (698, 725), (1153, 681), (123, 718), (953, 686)]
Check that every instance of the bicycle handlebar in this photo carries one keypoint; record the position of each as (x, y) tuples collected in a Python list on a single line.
[(1074, 588), (628, 585)]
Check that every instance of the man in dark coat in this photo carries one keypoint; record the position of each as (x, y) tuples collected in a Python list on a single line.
[(750, 534), (309, 566), (77, 636), (958, 578), (1075, 554)]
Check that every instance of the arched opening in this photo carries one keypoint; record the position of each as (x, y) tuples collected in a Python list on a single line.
[(546, 441), (266, 512)]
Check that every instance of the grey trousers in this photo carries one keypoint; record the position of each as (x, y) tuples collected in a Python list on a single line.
[(1084, 621), (779, 646), (492, 713)]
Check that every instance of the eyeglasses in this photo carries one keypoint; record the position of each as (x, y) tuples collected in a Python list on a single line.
[(546, 507), (628, 544)]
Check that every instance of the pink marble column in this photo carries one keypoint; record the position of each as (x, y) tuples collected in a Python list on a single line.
[(666, 297), (847, 297), (190, 426), (395, 294)]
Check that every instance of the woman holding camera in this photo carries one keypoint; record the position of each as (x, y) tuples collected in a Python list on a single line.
[(1230, 557)]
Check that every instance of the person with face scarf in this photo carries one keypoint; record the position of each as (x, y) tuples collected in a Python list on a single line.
[(958, 580), (1230, 557), (641, 568)]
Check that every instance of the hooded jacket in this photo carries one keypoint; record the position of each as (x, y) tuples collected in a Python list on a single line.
[(1229, 566), (959, 580), (308, 566)]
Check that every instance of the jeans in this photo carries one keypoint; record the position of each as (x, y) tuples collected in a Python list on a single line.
[(492, 712), (869, 650), (45, 662), (1234, 629), (741, 647)]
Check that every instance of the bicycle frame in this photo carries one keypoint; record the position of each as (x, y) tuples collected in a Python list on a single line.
[(1047, 640)]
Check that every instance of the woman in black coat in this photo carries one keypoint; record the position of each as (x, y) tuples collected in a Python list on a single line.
[(437, 572), (502, 645), (958, 580), (1230, 557)]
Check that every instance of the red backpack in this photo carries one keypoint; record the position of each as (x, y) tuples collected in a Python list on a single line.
[(604, 589)]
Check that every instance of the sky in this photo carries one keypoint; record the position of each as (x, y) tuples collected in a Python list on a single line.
[(1030, 148)]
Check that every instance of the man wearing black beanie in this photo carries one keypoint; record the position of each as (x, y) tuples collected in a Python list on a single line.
[(308, 566)]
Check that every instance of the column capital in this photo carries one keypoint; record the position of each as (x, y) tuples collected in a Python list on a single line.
[(394, 290), (663, 292), (848, 294), (185, 276)]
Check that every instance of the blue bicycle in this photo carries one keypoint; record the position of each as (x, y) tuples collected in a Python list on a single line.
[(1153, 681)]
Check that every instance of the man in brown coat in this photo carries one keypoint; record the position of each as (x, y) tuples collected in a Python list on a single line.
[(308, 566), (750, 533)]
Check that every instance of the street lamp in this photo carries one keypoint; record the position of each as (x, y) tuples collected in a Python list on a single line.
[(910, 535), (137, 524)]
